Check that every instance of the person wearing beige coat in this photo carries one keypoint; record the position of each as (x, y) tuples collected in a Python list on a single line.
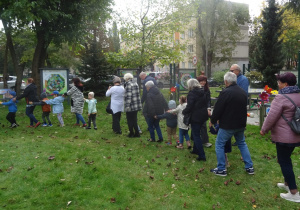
[(286, 140)]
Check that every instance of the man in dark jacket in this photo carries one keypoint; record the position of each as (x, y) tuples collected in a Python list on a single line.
[(231, 111), (145, 79), (30, 94), (155, 104)]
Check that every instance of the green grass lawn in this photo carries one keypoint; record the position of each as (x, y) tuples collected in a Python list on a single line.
[(96, 169)]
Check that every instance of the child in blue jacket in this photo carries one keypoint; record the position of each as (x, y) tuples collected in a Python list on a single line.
[(57, 106), (12, 108)]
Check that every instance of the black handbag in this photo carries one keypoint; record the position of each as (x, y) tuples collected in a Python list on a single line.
[(108, 109)]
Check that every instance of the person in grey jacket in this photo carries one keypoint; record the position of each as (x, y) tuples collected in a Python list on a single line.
[(132, 105), (282, 135)]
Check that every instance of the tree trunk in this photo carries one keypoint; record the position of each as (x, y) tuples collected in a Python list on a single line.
[(5, 75)]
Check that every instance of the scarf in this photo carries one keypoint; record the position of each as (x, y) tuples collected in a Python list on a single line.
[(289, 89)]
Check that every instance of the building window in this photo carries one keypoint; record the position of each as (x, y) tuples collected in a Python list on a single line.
[(191, 65), (182, 64), (191, 48), (191, 33), (182, 35)]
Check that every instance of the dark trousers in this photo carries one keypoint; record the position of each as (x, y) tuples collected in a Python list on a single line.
[(203, 133), (11, 117), (116, 117), (132, 122), (284, 159), (29, 113), (197, 139), (92, 118), (45, 116)]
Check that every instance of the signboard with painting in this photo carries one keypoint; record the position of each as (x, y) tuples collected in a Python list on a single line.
[(54, 79), (184, 76)]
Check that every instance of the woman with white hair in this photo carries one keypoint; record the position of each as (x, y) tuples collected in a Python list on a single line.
[(117, 93), (197, 110), (132, 104)]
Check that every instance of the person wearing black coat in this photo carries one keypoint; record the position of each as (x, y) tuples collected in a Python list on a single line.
[(197, 109), (155, 104), (30, 94), (146, 79)]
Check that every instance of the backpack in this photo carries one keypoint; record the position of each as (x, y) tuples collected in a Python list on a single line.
[(295, 122)]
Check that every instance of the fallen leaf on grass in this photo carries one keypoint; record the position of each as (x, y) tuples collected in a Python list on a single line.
[(39, 136), (253, 200), (1, 170), (109, 157), (51, 157), (201, 169), (238, 182), (29, 168), (184, 205), (226, 182), (89, 163), (69, 202), (151, 177), (166, 195), (75, 137), (112, 200), (129, 159), (108, 142), (9, 169), (252, 189)]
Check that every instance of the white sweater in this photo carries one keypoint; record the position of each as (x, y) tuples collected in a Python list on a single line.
[(180, 116)]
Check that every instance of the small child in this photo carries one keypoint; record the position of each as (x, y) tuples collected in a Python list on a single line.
[(46, 111), (12, 108), (92, 110), (171, 122), (57, 106), (183, 129)]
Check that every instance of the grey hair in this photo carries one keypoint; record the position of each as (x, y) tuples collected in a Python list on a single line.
[(237, 67), (128, 76), (149, 84), (193, 83), (116, 80), (143, 74), (230, 77)]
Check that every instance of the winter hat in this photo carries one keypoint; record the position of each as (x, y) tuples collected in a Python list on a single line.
[(55, 93), (13, 93), (43, 95), (172, 104)]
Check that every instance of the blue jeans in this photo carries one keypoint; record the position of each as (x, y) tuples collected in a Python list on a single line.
[(29, 113), (197, 139), (223, 137), (183, 133), (154, 124), (79, 118)]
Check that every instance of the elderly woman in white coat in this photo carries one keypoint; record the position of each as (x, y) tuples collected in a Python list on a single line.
[(117, 93)]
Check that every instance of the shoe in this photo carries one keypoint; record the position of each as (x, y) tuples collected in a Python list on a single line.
[(130, 135), (50, 125), (118, 132), (179, 146), (96, 129), (84, 125), (37, 124), (76, 124), (201, 159), (30, 126), (219, 173), (283, 187), (207, 144), (250, 171), (13, 125), (160, 140), (44, 125), (62, 125), (150, 140), (136, 135), (290, 197), (87, 127), (234, 144)]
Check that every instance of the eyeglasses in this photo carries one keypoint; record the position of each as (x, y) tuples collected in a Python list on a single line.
[(231, 70)]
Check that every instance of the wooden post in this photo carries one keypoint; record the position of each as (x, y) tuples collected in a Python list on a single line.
[(261, 114)]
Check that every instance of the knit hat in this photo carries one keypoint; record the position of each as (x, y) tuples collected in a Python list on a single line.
[(55, 93), (43, 95), (172, 104), (13, 93)]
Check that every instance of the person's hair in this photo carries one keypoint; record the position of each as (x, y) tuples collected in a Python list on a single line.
[(182, 99), (149, 84), (193, 83), (142, 74), (237, 67), (203, 78), (76, 81), (30, 80), (288, 78), (116, 80), (128, 76), (92, 94), (230, 77)]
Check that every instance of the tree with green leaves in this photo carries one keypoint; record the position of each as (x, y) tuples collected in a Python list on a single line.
[(268, 57), (114, 37)]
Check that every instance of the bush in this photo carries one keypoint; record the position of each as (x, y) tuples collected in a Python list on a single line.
[(219, 76)]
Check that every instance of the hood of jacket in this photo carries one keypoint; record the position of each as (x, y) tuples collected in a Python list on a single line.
[(199, 92), (154, 91)]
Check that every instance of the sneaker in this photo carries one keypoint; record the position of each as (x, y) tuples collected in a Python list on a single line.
[(96, 129), (37, 124), (50, 125), (207, 144), (250, 171), (62, 125), (290, 197), (283, 186), (45, 125), (160, 140), (218, 173), (14, 125), (84, 125), (87, 127)]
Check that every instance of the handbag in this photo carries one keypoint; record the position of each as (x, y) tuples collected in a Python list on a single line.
[(108, 109), (295, 122)]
